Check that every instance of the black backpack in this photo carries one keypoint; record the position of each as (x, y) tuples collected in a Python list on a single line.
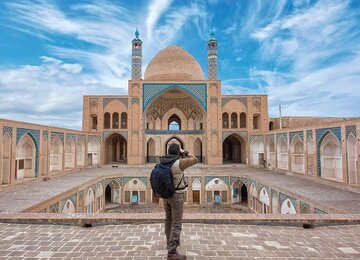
[(162, 181)]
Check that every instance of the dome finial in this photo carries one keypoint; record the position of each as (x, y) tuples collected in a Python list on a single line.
[(137, 33), (212, 34)]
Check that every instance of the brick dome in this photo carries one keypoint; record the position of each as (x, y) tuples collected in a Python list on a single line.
[(173, 64)]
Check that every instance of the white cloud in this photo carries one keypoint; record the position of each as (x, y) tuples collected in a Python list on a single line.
[(156, 9), (306, 43), (50, 93)]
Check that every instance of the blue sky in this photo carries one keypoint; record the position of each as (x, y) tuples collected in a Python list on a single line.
[(304, 54)]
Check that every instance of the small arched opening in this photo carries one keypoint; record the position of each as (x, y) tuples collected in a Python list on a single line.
[(115, 120), (107, 120), (243, 120), (116, 149), (330, 153), (174, 122), (234, 120), (225, 120)]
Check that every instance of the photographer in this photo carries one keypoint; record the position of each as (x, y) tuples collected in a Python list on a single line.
[(174, 206)]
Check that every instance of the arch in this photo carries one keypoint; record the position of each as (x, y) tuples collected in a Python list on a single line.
[(225, 120), (297, 154), (116, 149), (174, 139), (271, 126), (253, 197), (115, 120), (282, 153), (56, 155), (93, 152), (150, 148), (234, 149), (181, 119), (90, 201), (271, 154), (287, 207), (149, 99), (257, 152), (239, 193), (25, 158), (234, 120), (69, 207), (216, 187), (243, 120), (256, 121), (123, 120), (135, 192), (174, 122), (352, 159), (99, 197), (70, 154), (107, 120), (80, 153), (330, 156), (196, 191), (264, 196), (198, 151), (112, 193)]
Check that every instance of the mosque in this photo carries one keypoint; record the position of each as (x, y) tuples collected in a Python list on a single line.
[(174, 102)]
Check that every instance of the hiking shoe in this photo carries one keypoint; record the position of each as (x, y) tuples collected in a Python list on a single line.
[(174, 255)]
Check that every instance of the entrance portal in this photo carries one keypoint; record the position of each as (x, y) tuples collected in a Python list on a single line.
[(116, 149), (234, 149)]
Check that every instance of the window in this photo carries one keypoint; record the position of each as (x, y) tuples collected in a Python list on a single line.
[(225, 119), (21, 164), (174, 123), (115, 120), (123, 120), (94, 122), (256, 121), (242, 120), (107, 120), (234, 122)]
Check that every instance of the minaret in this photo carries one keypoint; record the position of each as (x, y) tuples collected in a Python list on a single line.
[(136, 57), (212, 57)]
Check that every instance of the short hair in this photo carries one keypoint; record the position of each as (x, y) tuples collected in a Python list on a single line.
[(174, 149)]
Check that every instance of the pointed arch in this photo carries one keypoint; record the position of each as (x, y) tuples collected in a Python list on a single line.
[(93, 152), (56, 155), (25, 157), (234, 120), (150, 148), (198, 150), (282, 153), (257, 152), (174, 122), (287, 207), (124, 118), (70, 151), (115, 120), (234, 149), (242, 120), (239, 193), (174, 139), (68, 208), (225, 120), (271, 154), (297, 154), (116, 149), (330, 157), (107, 120)]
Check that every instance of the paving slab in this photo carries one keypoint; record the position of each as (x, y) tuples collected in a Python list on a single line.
[(147, 241)]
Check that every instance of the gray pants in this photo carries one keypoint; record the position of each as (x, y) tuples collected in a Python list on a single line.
[(174, 208)]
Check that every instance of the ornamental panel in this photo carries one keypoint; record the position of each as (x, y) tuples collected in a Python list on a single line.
[(153, 90)]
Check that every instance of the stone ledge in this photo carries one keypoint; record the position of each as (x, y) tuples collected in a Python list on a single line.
[(83, 219)]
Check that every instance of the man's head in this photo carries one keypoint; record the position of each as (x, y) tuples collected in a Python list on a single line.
[(174, 149)]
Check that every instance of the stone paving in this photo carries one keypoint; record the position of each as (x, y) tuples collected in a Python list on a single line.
[(343, 198), (199, 241)]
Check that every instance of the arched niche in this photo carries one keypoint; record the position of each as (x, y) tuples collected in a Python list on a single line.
[(330, 156), (257, 152), (25, 158), (282, 153), (234, 149), (93, 152), (150, 151), (56, 155), (116, 149), (352, 159), (69, 207), (70, 154), (287, 207), (297, 155)]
